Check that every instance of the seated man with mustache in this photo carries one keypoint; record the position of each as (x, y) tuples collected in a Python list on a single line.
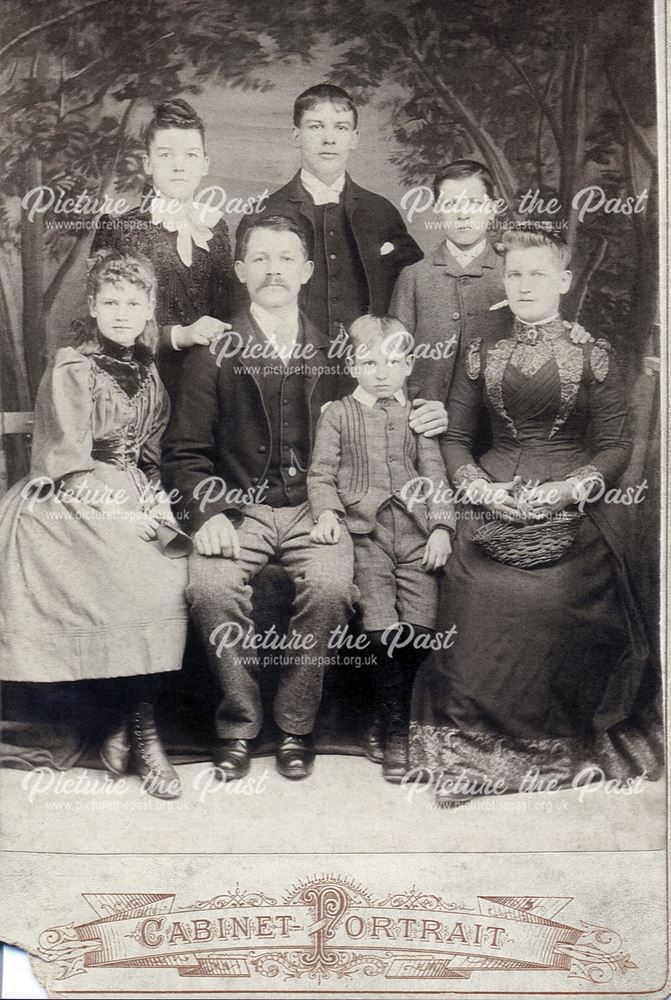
[(237, 452)]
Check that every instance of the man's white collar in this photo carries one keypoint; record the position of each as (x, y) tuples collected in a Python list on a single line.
[(270, 322), (322, 194)]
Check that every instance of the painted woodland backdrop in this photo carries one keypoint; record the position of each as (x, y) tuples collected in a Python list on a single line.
[(553, 95)]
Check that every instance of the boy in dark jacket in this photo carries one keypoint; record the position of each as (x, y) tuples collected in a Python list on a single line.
[(187, 242), (357, 239)]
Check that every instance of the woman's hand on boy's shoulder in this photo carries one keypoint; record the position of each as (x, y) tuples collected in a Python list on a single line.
[(578, 333), (428, 417)]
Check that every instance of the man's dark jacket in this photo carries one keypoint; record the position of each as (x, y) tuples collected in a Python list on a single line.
[(220, 427)]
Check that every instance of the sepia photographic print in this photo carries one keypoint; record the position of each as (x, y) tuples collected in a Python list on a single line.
[(333, 497)]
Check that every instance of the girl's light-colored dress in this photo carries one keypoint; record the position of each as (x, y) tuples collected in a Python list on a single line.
[(81, 594)]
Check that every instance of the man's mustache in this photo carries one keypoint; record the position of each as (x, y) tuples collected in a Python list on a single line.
[(273, 282)]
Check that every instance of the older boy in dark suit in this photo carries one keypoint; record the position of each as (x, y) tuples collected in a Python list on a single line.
[(357, 239)]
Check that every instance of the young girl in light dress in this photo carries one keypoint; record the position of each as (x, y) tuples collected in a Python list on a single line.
[(93, 584)]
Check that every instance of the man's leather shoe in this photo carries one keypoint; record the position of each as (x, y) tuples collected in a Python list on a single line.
[(373, 741), (232, 760), (295, 756), (395, 763)]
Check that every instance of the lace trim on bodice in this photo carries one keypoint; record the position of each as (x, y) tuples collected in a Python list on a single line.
[(128, 377), (528, 350)]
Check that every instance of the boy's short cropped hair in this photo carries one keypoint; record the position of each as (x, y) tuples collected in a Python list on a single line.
[(458, 169), (278, 223), (529, 234), (368, 331), (321, 93), (173, 114)]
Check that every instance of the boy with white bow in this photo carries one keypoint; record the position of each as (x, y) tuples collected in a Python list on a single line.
[(187, 242)]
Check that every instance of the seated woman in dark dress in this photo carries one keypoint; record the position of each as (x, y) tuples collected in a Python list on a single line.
[(549, 649)]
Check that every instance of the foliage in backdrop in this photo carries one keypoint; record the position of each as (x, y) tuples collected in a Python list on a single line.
[(552, 96)]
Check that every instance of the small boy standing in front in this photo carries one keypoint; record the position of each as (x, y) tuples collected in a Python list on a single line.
[(187, 242), (368, 470)]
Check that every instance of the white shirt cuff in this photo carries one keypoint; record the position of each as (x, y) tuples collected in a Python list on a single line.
[(173, 330)]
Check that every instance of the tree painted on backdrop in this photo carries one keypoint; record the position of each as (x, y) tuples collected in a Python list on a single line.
[(72, 75), (552, 97)]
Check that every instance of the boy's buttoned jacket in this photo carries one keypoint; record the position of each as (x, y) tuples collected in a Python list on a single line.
[(444, 306), (365, 456)]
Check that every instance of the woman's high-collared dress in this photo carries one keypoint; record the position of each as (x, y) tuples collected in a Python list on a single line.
[(545, 660)]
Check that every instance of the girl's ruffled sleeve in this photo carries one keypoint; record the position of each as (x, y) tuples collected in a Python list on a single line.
[(62, 435)]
